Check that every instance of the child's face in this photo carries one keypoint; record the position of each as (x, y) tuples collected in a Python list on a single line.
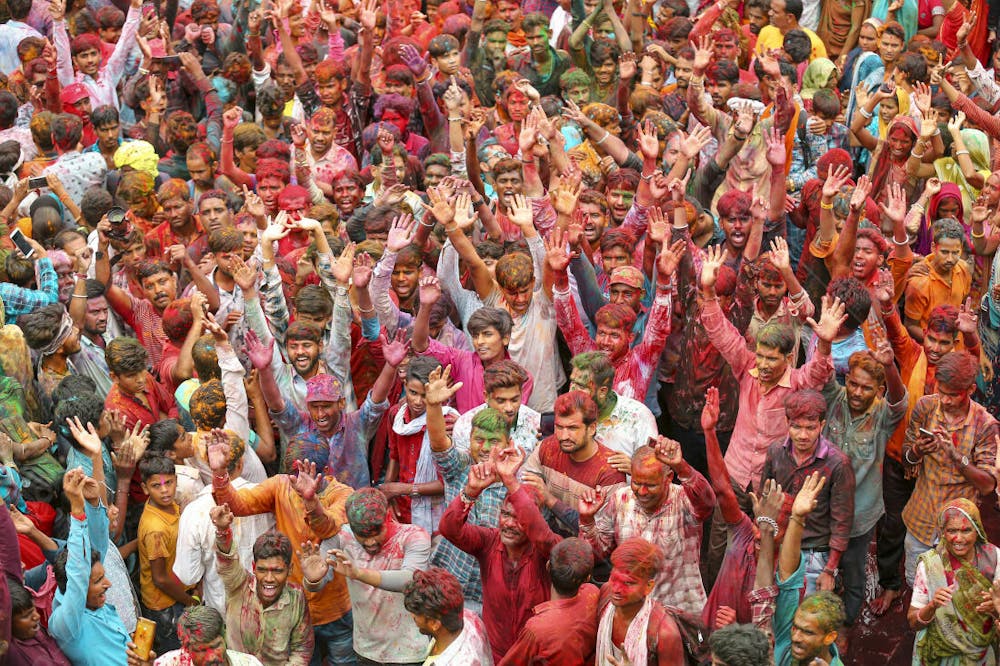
[(131, 384), (415, 398), (88, 62), (448, 63), (161, 489), (24, 625), (110, 35)]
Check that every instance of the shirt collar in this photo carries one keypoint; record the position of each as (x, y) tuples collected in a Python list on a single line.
[(784, 382), (820, 453)]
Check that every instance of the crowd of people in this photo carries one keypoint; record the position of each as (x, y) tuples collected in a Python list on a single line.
[(474, 332)]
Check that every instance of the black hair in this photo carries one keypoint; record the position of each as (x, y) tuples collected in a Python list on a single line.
[(73, 386), (152, 464), (86, 407), (421, 367), (59, 567), (797, 45), (740, 645), (794, 7), (104, 115), (163, 436), (41, 326), (570, 564)]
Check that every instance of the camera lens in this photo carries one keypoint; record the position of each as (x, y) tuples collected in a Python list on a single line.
[(116, 215)]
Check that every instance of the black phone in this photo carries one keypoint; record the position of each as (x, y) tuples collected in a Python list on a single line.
[(38, 182), (21, 243), (171, 62)]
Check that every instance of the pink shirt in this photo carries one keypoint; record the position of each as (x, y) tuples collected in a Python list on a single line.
[(761, 418), (468, 369)]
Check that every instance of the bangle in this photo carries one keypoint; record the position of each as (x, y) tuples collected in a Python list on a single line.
[(937, 132), (648, 176), (906, 457), (225, 140), (456, 118), (451, 229), (697, 80), (975, 235), (424, 224), (798, 520), (603, 138), (830, 572), (142, 71), (253, 34), (368, 311), (825, 206), (477, 204), (85, 295), (468, 501), (414, 492), (528, 161), (961, 152), (919, 156), (905, 242), (770, 521), (865, 113)]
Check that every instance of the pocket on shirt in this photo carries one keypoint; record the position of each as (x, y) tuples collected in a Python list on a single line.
[(773, 425)]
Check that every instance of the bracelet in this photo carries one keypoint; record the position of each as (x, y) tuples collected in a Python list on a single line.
[(225, 140), (830, 572), (85, 295), (253, 34), (865, 113), (451, 229), (477, 204), (975, 235), (424, 224), (368, 311), (681, 227), (456, 119), (414, 492), (770, 521), (902, 243), (961, 152), (825, 206), (648, 177), (937, 132), (528, 161), (468, 501), (142, 71), (603, 138), (920, 156), (906, 457), (697, 80)]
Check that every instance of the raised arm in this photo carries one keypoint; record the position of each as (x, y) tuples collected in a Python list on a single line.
[(717, 472), (437, 393)]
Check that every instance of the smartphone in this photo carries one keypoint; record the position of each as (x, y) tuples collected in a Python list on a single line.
[(172, 62), (38, 182), (21, 243), (925, 431), (145, 631)]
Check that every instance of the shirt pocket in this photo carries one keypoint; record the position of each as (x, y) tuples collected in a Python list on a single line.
[(772, 425), (862, 446)]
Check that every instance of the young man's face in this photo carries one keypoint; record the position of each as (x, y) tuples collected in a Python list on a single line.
[(25, 625), (304, 355), (804, 433), (177, 212), (604, 73), (202, 174), (510, 12), (496, 44), (720, 91), (507, 401), (330, 92), (268, 189), (97, 587), (771, 364), (325, 415), (862, 389), (271, 574), (809, 639), (726, 48), (284, 78), (404, 280), (954, 401), (889, 46), (161, 489), (518, 299), (214, 214), (107, 136), (612, 341), (770, 291), (572, 433), (415, 398), (160, 289), (579, 95), (649, 484), (736, 228), (434, 174), (511, 532), (483, 442), (249, 230), (867, 259), (393, 87), (947, 254), (937, 344), (95, 319), (110, 34), (628, 589), (594, 221), (88, 62), (346, 195), (448, 63), (758, 19), (619, 202), (489, 345), (614, 257), (508, 184)]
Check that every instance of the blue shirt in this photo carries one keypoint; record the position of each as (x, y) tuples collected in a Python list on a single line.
[(87, 637), (19, 300)]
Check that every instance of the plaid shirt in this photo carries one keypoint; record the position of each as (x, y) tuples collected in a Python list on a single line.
[(675, 527), (19, 300), (634, 372), (454, 468), (939, 480)]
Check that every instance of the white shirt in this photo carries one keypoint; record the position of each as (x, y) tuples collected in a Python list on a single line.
[(13, 33), (524, 433), (470, 648), (196, 544), (629, 426)]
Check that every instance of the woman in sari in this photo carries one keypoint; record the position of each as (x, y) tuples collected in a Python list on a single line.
[(970, 173), (839, 24), (903, 12), (877, 111), (955, 621), (988, 380)]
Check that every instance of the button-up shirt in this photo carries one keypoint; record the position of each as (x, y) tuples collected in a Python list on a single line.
[(939, 480), (863, 439), (21, 300), (510, 589), (90, 361), (675, 527), (561, 631), (348, 445), (761, 417), (102, 90), (78, 172), (829, 524), (469, 648), (467, 367), (280, 633), (629, 426)]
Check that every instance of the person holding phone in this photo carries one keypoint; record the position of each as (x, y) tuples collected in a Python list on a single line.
[(18, 293)]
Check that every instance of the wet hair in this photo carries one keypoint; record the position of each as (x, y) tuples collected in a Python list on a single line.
[(597, 365), (489, 250), (805, 404), (957, 370), (948, 229), (152, 464), (148, 269), (301, 331), (797, 45), (208, 405), (576, 402), (615, 315), (775, 335), (863, 360), (828, 609), (502, 374), (734, 203), (875, 238), (315, 301), (200, 624), (163, 435), (602, 50), (59, 567), (490, 420), (436, 594), (740, 645), (487, 317), (638, 557), (724, 71), (272, 543), (421, 367), (126, 356), (944, 320), (570, 564), (856, 299), (67, 131), (41, 326), (366, 511)]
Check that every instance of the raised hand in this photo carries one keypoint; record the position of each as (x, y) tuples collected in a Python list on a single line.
[(274, 232), (87, 438), (860, 194), (555, 251), (966, 28), (658, 225), (520, 212), (441, 208), (394, 352), (260, 355), (885, 287), (564, 196), (429, 290), (779, 254), (312, 562), (627, 66), (883, 350), (922, 98), (362, 273), (437, 390), (895, 207), (670, 257), (835, 179), (832, 317), (703, 54), (678, 188), (805, 501), (507, 462), (775, 147), (400, 232), (344, 265), (968, 318), (590, 500), (649, 142), (481, 476), (710, 412), (932, 187), (221, 516), (529, 134), (307, 480), (244, 274), (715, 256), (368, 15), (217, 446), (693, 143), (744, 119), (956, 122), (770, 501)]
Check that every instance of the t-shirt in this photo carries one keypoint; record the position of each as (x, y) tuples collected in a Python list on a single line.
[(157, 540), (771, 38)]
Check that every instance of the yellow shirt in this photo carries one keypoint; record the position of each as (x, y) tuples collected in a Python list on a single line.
[(771, 38), (157, 540)]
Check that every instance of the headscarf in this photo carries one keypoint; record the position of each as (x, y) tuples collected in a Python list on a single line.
[(903, 100), (948, 170), (65, 329), (924, 234), (883, 165), (140, 155), (816, 76), (968, 509), (906, 16)]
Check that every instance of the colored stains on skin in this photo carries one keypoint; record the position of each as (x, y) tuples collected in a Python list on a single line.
[(366, 511)]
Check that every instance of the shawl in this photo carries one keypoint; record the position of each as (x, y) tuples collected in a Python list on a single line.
[(425, 511), (907, 16), (882, 167), (816, 76), (924, 234), (948, 170), (635, 645)]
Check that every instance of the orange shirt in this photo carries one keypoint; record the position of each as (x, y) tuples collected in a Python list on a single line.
[(926, 289), (157, 540)]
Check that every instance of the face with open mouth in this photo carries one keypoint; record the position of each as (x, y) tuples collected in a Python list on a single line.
[(271, 574)]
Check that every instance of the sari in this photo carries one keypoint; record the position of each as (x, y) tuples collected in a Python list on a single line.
[(989, 339), (835, 23), (959, 634), (948, 170), (906, 17), (883, 171), (817, 76), (867, 66)]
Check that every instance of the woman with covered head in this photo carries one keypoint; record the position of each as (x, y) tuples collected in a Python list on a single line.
[(951, 608)]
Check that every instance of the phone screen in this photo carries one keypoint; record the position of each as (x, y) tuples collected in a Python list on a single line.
[(17, 237)]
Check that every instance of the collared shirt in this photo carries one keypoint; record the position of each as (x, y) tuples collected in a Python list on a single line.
[(524, 64), (280, 633), (78, 172), (736, 574), (939, 480), (38, 650), (348, 446), (20, 300), (829, 524), (384, 631), (87, 637), (761, 417), (90, 361), (926, 289), (635, 370), (510, 589), (102, 90), (161, 404), (196, 544), (147, 323), (791, 312), (561, 631), (863, 439), (276, 495), (336, 160), (567, 479), (454, 467), (157, 541), (469, 648), (675, 527), (629, 426), (13, 33), (523, 434)]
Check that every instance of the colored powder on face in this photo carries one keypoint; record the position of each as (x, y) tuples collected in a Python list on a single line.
[(366, 511)]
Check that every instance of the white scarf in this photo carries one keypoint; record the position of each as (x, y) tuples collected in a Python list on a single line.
[(425, 511), (634, 646)]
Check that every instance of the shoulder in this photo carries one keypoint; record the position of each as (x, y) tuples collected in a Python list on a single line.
[(920, 270)]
